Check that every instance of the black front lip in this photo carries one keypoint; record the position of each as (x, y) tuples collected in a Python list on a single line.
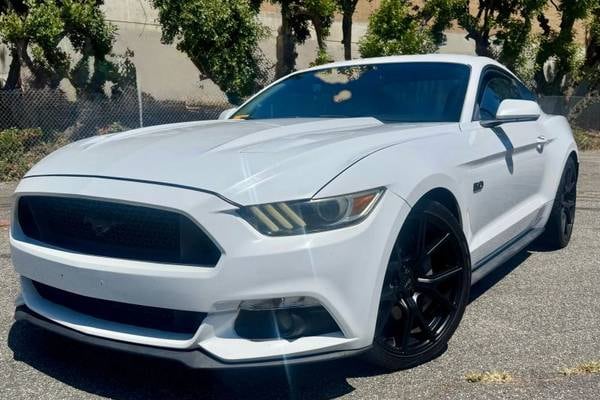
[(196, 359)]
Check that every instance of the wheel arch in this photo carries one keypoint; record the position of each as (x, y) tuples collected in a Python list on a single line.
[(570, 154), (573, 155), (445, 197)]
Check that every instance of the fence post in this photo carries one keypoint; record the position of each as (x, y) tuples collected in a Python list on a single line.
[(138, 87)]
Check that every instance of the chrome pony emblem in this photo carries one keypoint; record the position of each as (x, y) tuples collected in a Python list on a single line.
[(99, 226)]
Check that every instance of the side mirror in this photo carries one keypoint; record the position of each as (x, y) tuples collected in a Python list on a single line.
[(514, 111), (227, 113)]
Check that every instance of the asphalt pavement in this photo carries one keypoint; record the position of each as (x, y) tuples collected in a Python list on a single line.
[(533, 317)]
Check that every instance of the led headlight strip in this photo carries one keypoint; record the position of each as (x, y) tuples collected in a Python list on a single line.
[(306, 216)]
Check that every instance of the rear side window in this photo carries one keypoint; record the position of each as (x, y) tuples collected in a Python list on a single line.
[(493, 89)]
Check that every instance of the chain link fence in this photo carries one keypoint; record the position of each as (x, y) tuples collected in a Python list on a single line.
[(582, 112), (33, 123)]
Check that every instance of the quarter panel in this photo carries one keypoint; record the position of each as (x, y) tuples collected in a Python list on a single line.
[(560, 144)]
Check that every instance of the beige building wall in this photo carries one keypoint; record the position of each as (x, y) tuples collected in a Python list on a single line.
[(166, 73)]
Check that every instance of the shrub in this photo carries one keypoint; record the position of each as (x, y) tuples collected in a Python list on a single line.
[(20, 149), (586, 141), (394, 30), (114, 127)]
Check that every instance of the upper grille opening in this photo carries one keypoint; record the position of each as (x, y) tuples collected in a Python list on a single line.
[(109, 229)]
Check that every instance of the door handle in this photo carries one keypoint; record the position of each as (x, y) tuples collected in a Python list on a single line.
[(542, 139)]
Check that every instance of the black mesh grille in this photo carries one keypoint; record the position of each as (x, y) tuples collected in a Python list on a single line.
[(184, 322), (117, 230)]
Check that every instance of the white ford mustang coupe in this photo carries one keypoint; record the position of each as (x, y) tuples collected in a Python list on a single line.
[(345, 209)]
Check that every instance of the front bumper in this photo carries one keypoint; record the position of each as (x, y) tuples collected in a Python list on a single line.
[(342, 269), (192, 358)]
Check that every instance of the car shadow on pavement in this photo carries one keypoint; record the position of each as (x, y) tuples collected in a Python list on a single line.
[(123, 376), (490, 280), (503, 270)]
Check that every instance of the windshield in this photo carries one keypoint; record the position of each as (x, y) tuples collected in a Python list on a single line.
[(394, 92)]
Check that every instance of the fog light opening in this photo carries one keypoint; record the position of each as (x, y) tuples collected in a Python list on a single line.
[(285, 318)]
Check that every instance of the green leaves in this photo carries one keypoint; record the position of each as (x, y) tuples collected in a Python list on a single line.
[(12, 28), (41, 24), (558, 45), (393, 29), (401, 27), (220, 37), (87, 28), (505, 30), (35, 30)]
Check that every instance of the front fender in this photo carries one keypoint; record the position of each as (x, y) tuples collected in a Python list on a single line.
[(409, 170)]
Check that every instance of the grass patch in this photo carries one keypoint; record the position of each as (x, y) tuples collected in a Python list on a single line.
[(586, 141), (592, 367), (489, 377)]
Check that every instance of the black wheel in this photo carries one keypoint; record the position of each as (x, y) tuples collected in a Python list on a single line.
[(425, 290), (562, 217)]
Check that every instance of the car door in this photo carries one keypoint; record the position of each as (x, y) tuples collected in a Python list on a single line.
[(506, 166)]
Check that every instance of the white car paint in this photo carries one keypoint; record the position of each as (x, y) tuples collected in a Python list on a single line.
[(208, 169), (525, 109)]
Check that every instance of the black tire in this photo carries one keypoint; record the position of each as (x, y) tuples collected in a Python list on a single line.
[(425, 290), (559, 227)]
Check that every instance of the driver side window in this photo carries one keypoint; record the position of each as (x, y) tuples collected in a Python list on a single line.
[(496, 87)]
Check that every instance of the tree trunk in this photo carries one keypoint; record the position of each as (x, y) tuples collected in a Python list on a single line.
[(560, 82), (482, 48), (592, 48), (286, 48), (592, 53), (347, 33), (319, 33), (13, 81)]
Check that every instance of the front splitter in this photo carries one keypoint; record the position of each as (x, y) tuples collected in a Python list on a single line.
[(196, 358)]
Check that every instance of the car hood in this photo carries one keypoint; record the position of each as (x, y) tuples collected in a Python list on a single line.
[(247, 162)]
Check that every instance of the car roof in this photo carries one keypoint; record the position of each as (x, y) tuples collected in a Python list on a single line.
[(476, 62)]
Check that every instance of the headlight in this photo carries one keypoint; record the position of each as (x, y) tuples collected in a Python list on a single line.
[(306, 216)]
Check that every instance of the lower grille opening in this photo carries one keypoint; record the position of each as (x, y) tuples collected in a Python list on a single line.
[(175, 321), (289, 323)]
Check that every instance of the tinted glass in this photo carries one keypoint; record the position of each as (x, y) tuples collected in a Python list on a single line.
[(526, 94), (498, 87), (393, 92)]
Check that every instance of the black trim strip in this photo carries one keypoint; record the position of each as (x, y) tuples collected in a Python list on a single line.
[(500, 249), (488, 263), (196, 359), (115, 178)]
